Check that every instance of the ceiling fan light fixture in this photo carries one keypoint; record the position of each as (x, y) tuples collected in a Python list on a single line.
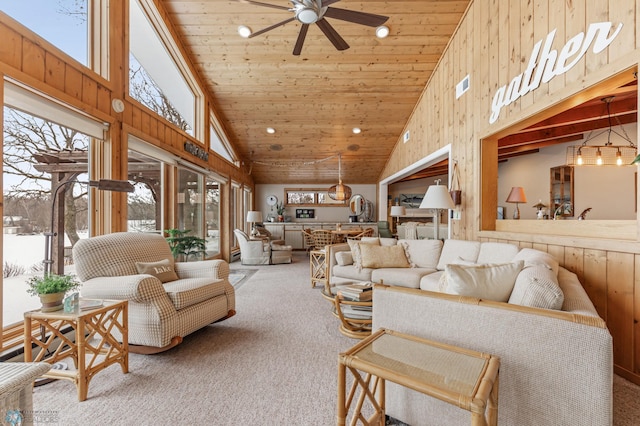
[(244, 31), (382, 31), (307, 15)]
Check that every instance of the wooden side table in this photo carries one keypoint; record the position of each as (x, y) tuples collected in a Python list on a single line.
[(465, 378), (94, 348), (318, 264)]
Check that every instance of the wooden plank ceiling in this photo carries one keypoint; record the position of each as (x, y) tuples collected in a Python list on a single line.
[(314, 100)]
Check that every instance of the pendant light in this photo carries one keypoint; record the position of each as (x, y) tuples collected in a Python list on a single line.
[(339, 192)]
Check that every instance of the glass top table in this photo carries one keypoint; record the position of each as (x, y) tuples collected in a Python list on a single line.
[(462, 377)]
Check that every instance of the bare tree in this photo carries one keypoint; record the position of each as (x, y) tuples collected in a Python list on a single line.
[(26, 140)]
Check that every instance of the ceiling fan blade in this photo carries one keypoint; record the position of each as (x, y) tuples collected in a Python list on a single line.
[(356, 17), (300, 41), (332, 35), (259, 3), (326, 3), (264, 30)]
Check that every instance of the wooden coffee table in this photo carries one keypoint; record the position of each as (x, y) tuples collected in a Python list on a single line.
[(93, 346), (465, 378), (354, 326)]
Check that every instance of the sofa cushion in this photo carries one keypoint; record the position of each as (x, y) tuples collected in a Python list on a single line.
[(190, 291), (401, 277), (431, 282), (534, 257), (374, 256), (455, 249), (489, 282), (350, 272), (537, 286), (354, 245), (344, 258), (422, 253), (164, 269), (497, 252)]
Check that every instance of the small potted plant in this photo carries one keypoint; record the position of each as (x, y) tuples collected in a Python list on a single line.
[(280, 211), (51, 289), (183, 246)]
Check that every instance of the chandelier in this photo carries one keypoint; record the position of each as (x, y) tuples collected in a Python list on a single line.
[(339, 192), (603, 155)]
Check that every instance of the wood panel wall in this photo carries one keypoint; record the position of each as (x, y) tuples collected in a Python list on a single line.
[(493, 44)]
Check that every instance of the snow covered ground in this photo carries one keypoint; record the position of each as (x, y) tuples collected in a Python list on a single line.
[(24, 250)]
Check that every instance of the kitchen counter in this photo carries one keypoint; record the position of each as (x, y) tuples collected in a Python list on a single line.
[(291, 232)]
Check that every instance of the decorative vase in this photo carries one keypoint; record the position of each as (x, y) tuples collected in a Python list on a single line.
[(51, 302), (280, 218)]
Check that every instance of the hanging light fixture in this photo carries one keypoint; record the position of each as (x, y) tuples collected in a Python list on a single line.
[(607, 154), (339, 192)]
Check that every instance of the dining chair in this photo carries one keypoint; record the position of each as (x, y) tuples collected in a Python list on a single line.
[(322, 238)]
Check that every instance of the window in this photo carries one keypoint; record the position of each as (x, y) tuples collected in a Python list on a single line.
[(64, 24), (144, 207), (310, 197), (157, 77), (217, 142), (212, 216), (51, 150), (189, 197)]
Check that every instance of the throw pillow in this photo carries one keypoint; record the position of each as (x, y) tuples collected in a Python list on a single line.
[(163, 270), (533, 257), (344, 258), (355, 250), (489, 282), (537, 286), (374, 256), (422, 253)]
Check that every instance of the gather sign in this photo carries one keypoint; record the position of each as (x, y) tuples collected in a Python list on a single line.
[(548, 63)]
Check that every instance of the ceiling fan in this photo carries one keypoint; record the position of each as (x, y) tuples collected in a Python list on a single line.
[(309, 12)]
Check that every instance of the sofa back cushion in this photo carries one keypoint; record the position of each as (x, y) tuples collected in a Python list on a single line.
[(422, 253), (454, 250), (344, 258), (489, 282), (497, 252), (533, 257), (374, 256), (116, 254), (537, 286)]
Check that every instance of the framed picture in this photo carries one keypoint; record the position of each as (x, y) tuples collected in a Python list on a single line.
[(501, 213), (411, 201)]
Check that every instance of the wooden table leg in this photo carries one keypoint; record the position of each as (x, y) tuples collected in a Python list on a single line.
[(492, 409), (342, 409)]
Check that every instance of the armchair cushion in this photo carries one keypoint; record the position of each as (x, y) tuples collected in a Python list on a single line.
[(190, 291), (163, 270)]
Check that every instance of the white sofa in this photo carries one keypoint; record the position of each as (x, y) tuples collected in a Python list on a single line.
[(422, 231), (556, 364)]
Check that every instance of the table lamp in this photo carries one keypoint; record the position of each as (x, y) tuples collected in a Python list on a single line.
[(516, 196), (254, 216), (397, 211), (437, 197)]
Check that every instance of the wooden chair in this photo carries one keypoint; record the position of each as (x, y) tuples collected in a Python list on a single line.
[(367, 232), (322, 238), (309, 241)]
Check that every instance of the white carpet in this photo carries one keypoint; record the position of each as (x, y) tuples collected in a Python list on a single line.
[(274, 363)]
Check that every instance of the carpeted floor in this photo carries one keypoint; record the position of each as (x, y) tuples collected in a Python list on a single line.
[(274, 363)]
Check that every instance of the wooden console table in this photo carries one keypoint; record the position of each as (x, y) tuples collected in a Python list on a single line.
[(92, 348), (465, 378)]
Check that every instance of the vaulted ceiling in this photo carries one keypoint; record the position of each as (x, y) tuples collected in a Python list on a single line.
[(314, 100)]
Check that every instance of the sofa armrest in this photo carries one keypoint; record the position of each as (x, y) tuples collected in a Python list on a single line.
[(139, 288), (545, 354), (215, 268)]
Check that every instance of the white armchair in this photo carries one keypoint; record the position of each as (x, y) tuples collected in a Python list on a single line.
[(261, 251)]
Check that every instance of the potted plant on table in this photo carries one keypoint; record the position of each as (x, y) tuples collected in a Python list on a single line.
[(51, 289), (280, 211)]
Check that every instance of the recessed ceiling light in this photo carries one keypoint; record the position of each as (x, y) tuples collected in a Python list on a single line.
[(275, 147), (244, 31), (271, 130), (382, 31), (356, 130)]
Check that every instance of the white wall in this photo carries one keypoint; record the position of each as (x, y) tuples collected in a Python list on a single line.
[(593, 185), (322, 214)]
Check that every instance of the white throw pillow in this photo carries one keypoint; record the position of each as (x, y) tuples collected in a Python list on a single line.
[(489, 282), (344, 258), (537, 286), (422, 253)]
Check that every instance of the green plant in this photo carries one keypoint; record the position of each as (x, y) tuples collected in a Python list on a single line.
[(280, 208), (184, 246), (51, 283)]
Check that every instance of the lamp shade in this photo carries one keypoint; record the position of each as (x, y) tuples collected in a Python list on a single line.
[(398, 211), (517, 195), (254, 216), (437, 197)]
